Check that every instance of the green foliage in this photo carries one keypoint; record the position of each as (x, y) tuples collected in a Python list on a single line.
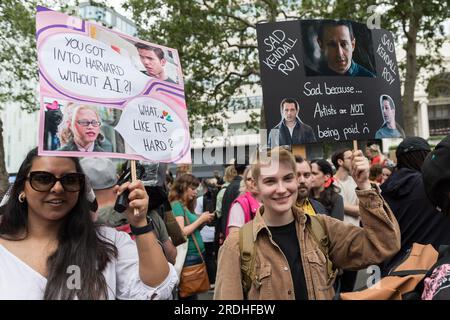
[(18, 66), (216, 41)]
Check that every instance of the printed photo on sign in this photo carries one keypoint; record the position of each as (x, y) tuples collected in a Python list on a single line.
[(89, 76), (337, 48), (149, 59), (334, 73), (77, 127), (390, 127), (291, 130)]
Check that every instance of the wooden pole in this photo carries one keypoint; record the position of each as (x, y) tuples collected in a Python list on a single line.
[(134, 178)]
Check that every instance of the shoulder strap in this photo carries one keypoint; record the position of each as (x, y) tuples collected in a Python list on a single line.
[(247, 249), (317, 229), (192, 235)]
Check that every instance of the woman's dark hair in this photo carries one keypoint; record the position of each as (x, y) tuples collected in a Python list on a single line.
[(179, 187), (412, 160), (328, 195), (375, 172), (79, 243)]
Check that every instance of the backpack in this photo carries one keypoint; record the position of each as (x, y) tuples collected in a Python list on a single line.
[(404, 281), (247, 249)]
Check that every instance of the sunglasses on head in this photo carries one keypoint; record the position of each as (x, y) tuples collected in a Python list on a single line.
[(44, 181)]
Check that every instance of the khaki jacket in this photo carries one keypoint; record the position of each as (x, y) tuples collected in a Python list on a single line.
[(351, 248)]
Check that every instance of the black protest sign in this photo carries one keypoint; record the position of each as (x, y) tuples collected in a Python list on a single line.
[(326, 80)]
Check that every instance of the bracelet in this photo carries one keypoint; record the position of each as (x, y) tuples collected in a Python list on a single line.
[(142, 230)]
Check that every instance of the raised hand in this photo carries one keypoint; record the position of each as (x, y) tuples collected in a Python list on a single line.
[(360, 170)]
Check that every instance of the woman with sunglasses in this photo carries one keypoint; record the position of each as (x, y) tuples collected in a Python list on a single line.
[(84, 130), (51, 249)]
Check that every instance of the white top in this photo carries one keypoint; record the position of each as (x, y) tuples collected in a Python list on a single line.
[(18, 281), (206, 232), (237, 216), (291, 130), (348, 193)]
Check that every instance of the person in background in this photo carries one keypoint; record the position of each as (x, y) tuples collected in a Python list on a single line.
[(436, 179), (323, 189), (207, 203), (218, 178), (341, 160), (230, 173), (182, 197), (304, 202), (244, 207), (103, 178), (386, 172), (230, 195), (47, 229), (375, 174), (404, 191), (375, 155)]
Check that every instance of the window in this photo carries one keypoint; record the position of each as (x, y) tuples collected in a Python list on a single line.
[(245, 103), (439, 119), (236, 129), (108, 17)]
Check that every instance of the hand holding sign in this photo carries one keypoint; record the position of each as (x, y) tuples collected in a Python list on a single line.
[(360, 170)]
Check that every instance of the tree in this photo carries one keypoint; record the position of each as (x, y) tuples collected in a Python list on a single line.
[(18, 67), (217, 41), (18, 60), (420, 22)]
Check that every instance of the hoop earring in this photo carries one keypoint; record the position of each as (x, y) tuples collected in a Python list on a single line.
[(22, 197)]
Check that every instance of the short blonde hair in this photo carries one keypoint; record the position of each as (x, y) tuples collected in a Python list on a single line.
[(66, 126), (83, 107), (276, 154), (230, 173)]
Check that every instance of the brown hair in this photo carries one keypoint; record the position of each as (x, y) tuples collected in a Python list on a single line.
[(179, 188), (375, 172)]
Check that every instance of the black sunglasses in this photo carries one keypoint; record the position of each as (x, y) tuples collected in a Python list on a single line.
[(44, 181)]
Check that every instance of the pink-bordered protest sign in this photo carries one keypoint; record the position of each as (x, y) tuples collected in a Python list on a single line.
[(107, 94)]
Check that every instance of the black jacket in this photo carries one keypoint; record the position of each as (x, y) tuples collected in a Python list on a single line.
[(337, 211), (419, 221), (280, 135), (231, 193)]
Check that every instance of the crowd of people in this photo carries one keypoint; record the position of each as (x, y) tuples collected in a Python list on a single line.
[(275, 227)]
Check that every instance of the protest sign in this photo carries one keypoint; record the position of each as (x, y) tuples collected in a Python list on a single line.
[(333, 80), (104, 93)]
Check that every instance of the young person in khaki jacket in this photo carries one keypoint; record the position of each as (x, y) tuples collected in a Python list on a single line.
[(289, 264)]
